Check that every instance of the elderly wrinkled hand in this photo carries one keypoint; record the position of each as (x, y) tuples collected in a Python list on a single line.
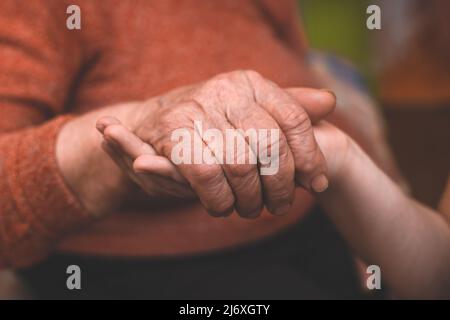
[(240, 100)]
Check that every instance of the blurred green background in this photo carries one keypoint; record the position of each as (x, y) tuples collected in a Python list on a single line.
[(340, 27), (412, 92)]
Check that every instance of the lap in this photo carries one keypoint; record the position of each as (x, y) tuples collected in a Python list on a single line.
[(309, 260)]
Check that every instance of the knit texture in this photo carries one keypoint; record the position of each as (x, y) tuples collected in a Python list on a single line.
[(125, 51)]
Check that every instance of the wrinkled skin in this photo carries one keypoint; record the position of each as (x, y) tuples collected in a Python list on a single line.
[(241, 100)]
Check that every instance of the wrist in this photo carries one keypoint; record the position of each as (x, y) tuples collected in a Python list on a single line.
[(91, 175), (338, 149), (348, 160)]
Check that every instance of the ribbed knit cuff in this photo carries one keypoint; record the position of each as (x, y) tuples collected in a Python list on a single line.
[(35, 202), (36, 185)]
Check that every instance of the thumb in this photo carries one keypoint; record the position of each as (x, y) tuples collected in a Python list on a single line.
[(154, 164), (317, 103)]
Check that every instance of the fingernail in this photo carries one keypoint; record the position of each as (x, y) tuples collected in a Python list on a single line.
[(100, 127), (319, 183), (330, 92), (283, 209)]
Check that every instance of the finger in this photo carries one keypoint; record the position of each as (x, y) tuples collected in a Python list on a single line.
[(146, 181), (207, 179), (134, 147), (117, 156), (277, 177), (310, 164), (163, 187), (157, 165), (317, 103), (103, 122), (128, 142), (240, 166)]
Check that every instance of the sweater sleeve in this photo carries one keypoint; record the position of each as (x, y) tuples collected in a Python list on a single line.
[(39, 59)]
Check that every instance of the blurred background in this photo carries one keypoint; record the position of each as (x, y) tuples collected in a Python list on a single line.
[(406, 66)]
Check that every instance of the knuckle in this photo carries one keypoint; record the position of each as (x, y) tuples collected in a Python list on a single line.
[(222, 80), (309, 162), (180, 116), (191, 109), (241, 170), (215, 91), (267, 144), (279, 148), (252, 75), (287, 166), (298, 120), (283, 148), (224, 206), (206, 174), (280, 187), (280, 196), (167, 119)]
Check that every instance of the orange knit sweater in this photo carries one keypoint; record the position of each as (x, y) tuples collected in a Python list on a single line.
[(126, 50)]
